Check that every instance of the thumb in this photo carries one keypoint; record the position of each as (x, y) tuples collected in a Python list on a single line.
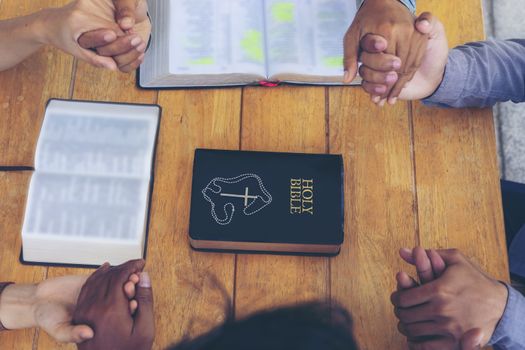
[(125, 11), (404, 281), (372, 43), (351, 54), (451, 256), (144, 317), (427, 23), (67, 333), (472, 340)]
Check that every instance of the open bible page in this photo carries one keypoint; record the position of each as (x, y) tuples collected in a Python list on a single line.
[(305, 38), (86, 207), (97, 139), (210, 37)]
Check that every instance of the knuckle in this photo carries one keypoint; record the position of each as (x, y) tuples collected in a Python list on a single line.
[(385, 28), (440, 296), (368, 88), (350, 33), (411, 330), (438, 308), (446, 325), (401, 328), (398, 312), (149, 338), (406, 27), (403, 316), (394, 297), (403, 301), (75, 16)]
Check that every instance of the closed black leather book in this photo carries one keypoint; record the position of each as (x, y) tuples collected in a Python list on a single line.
[(267, 202)]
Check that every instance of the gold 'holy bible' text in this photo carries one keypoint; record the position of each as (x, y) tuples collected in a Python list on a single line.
[(302, 196)]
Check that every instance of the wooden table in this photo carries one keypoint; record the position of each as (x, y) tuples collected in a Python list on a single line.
[(414, 175)]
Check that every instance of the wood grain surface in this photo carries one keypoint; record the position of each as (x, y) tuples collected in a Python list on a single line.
[(412, 175), (457, 179), (286, 119)]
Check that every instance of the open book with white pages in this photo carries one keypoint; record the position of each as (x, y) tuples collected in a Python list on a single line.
[(89, 195), (243, 42)]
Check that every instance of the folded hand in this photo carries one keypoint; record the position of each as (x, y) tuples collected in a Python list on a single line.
[(456, 307), (120, 313)]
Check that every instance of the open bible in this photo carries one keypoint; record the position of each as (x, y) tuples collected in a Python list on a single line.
[(243, 42), (89, 195)]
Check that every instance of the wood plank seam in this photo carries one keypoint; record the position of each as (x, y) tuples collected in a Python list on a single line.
[(240, 127), (233, 311), (327, 150), (414, 174), (73, 79)]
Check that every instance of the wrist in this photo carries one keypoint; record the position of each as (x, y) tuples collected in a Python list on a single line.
[(17, 306), (499, 302), (435, 84), (41, 24)]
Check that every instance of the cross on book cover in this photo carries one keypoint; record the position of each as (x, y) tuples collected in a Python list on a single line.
[(262, 201)]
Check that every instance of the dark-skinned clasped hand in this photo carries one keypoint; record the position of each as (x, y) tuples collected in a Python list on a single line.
[(121, 317), (393, 21)]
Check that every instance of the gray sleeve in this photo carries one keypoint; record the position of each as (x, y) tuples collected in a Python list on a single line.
[(510, 332), (481, 74), (411, 4)]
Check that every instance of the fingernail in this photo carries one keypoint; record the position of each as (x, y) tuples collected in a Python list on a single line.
[(391, 77), (424, 22), (126, 22), (392, 101), (407, 250), (86, 335), (380, 89), (141, 47), (109, 37), (382, 103), (478, 340), (136, 41), (346, 78), (378, 45), (109, 66), (100, 65), (396, 64), (376, 99), (145, 281)]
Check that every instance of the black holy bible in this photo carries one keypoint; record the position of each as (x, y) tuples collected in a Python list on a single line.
[(267, 202)]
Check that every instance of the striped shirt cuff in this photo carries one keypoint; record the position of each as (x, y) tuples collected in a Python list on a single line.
[(411, 4)]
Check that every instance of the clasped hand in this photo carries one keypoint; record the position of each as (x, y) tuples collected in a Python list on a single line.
[(456, 306), (112, 34)]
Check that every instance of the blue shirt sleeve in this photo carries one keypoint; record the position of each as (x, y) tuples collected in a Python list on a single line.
[(411, 4), (510, 332), (481, 74), (516, 255)]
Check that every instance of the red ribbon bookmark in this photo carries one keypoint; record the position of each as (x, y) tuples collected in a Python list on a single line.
[(268, 83)]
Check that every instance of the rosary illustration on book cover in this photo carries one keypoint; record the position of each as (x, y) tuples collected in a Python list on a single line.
[(246, 191)]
